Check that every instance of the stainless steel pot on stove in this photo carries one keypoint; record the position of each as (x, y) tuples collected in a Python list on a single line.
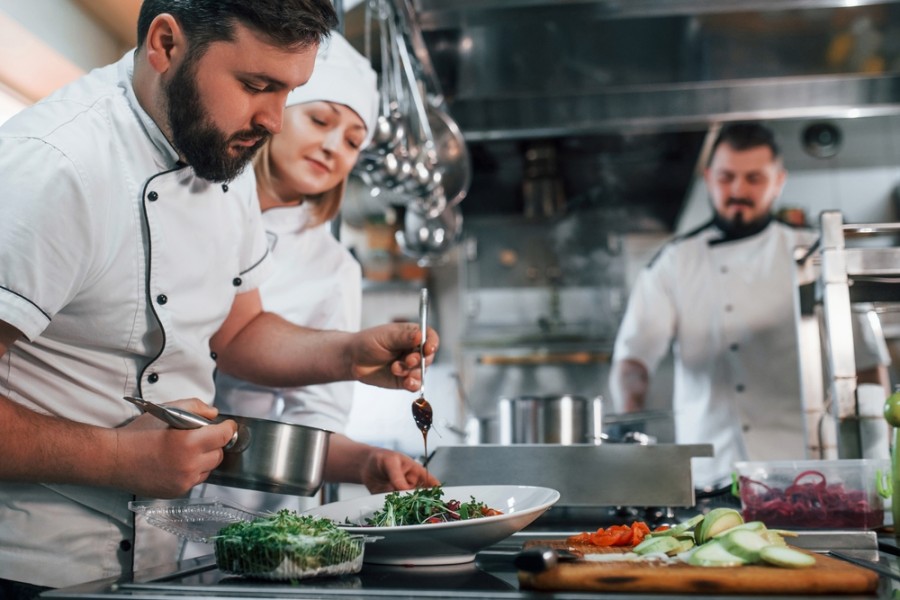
[(562, 419)]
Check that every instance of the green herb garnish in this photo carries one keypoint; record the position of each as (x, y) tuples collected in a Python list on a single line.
[(425, 505)]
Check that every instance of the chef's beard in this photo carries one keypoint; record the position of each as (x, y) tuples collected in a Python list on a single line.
[(738, 227), (200, 143)]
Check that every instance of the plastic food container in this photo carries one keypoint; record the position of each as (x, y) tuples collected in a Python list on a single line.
[(194, 519), (815, 494), (293, 555)]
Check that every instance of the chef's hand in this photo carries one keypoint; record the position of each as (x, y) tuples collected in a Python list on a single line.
[(388, 471), (629, 383), (157, 461), (388, 355)]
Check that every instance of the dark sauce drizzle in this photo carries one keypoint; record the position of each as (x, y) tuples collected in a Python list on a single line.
[(423, 414)]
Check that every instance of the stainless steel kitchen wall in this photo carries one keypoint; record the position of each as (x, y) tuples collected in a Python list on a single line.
[(624, 92), (597, 112)]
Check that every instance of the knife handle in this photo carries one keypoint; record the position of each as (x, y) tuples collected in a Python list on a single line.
[(536, 559)]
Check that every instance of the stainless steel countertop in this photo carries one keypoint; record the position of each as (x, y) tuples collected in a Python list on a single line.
[(492, 575)]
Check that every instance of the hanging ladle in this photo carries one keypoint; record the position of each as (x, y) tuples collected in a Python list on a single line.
[(421, 409)]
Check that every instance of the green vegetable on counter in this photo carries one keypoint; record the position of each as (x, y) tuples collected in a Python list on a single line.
[(669, 545), (286, 541), (892, 416), (717, 521), (725, 540)]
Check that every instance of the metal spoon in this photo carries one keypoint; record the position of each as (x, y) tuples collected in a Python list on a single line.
[(421, 409)]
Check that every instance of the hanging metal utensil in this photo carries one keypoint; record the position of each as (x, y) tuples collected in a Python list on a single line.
[(389, 129), (428, 239), (444, 152), (419, 159)]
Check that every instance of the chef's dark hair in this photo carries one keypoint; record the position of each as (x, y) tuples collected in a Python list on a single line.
[(745, 136), (292, 24)]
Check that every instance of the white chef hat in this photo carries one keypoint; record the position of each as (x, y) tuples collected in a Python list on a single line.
[(344, 76)]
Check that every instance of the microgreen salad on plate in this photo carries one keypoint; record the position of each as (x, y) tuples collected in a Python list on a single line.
[(426, 505), (400, 533)]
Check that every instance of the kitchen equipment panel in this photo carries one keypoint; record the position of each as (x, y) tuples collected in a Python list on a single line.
[(584, 474)]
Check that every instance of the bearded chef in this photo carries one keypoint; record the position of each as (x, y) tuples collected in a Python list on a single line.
[(723, 297), (132, 266)]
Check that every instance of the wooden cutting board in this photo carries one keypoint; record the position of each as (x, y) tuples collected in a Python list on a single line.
[(828, 576)]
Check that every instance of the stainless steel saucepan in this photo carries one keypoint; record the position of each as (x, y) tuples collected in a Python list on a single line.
[(263, 455), (564, 419)]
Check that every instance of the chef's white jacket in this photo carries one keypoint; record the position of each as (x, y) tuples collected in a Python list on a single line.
[(117, 264), (727, 310), (316, 283)]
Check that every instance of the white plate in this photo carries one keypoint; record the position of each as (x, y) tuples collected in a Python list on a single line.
[(443, 543)]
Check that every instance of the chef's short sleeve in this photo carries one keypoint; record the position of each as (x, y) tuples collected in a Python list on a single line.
[(647, 329), (47, 229)]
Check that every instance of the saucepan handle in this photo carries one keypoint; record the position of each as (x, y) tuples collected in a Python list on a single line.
[(178, 418)]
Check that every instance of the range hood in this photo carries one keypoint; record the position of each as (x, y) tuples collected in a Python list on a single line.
[(627, 90), (524, 68)]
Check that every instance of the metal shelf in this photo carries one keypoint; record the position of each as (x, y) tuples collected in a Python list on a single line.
[(843, 277)]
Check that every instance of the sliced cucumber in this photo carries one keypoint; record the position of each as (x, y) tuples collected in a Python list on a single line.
[(773, 537), (744, 543), (717, 521), (713, 554), (663, 545), (785, 532), (679, 529), (757, 526), (786, 557)]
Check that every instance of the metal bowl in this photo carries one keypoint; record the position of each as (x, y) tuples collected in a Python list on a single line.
[(271, 456)]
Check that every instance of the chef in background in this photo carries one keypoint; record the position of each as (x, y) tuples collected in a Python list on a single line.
[(723, 297), (301, 174)]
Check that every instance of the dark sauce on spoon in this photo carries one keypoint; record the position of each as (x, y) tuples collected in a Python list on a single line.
[(422, 415)]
